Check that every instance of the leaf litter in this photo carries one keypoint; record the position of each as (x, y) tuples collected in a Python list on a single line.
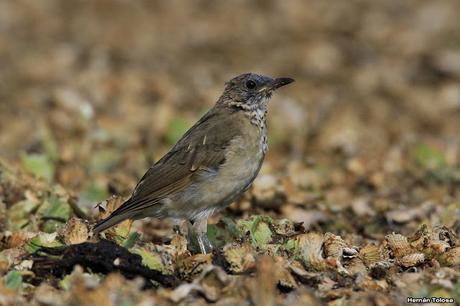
[(356, 204)]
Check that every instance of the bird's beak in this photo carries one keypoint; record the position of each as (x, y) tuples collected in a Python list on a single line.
[(279, 82)]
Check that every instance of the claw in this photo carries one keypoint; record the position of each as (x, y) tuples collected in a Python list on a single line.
[(199, 232), (204, 243)]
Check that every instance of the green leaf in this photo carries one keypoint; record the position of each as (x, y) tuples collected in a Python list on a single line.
[(149, 259), (131, 240), (42, 240), (238, 257), (49, 144), (13, 279), (218, 235), (292, 245), (38, 164), (122, 233), (455, 291), (177, 127), (94, 193), (259, 230), (66, 282), (54, 208), (19, 214), (104, 160), (261, 234), (429, 158)]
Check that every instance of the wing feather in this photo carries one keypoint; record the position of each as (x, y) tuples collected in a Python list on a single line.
[(201, 148)]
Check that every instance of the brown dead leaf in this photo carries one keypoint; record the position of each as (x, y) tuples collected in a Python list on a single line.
[(75, 231)]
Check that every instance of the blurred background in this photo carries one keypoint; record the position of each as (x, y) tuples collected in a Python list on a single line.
[(93, 92)]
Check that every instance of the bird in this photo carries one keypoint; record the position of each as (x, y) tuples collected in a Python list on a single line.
[(211, 165)]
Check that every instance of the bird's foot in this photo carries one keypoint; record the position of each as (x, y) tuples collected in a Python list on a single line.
[(204, 243), (198, 237)]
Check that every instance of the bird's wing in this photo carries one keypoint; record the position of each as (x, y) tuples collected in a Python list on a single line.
[(184, 163)]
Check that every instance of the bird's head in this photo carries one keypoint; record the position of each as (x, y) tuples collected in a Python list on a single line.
[(250, 91)]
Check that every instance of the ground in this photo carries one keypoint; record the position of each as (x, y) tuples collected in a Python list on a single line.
[(357, 202)]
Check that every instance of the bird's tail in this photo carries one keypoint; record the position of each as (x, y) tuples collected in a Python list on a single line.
[(108, 222), (115, 217)]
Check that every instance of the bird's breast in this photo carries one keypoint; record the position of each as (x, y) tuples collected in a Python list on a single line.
[(243, 158)]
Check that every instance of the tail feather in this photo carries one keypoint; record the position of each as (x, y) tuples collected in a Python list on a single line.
[(131, 209), (117, 216), (108, 222)]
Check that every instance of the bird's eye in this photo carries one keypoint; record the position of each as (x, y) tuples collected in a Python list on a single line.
[(251, 84)]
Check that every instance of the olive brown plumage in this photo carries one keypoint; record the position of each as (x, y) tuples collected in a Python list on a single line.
[(213, 163)]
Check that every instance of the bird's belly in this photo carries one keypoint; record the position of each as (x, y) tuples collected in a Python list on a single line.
[(219, 188), (233, 179)]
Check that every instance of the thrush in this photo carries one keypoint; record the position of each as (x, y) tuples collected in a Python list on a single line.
[(211, 165)]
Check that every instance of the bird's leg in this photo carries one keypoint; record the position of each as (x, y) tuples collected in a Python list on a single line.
[(200, 229)]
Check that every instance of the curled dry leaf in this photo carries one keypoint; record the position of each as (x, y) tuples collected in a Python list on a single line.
[(451, 257), (179, 244), (311, 250), (108, 206), (190, 266), (370, 254), (120, 231), (213, 281), (411, 260), (333, 245), (309, 277), (398, 245), (433, 242), (284, 227), (18, 239), (75, 231), (356, 266), (283, 275), (240, 257)]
